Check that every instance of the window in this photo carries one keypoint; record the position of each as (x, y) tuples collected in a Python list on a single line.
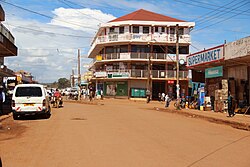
[(140, 48), (172, 30), (156, 29), (160, 29), (145, 30), (123, 48), (29, 91), (181, 31), (109, 50), (135, 29), (121, 30), (171, 49), (182, 49), (111, 30), (159, 49)]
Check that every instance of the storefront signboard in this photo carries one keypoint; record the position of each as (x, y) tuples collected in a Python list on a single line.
[(100, 74), (214, 72), (119, 75), (206, 56), (99, 57)]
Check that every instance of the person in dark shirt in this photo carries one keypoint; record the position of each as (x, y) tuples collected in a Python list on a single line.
[(230, 105)]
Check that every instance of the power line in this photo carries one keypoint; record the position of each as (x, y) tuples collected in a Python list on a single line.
[(215, 15), (78, 10), (52, 48), (220, 21), (50, 17), (103, 6), (206, 14), (210, 4), (206, 7), (52, 33), (237, 31)]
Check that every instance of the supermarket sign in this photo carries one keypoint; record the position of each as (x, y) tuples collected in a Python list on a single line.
[(206, 56)]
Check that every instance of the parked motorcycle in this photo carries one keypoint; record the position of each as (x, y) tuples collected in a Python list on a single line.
[(182, 104)]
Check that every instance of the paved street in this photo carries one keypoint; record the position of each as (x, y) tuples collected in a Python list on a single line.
[(120, 133)]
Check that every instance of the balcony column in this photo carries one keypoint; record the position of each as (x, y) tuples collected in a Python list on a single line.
[(166, 70)]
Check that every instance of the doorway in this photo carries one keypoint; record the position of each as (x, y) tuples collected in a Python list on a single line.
[(157, 87)]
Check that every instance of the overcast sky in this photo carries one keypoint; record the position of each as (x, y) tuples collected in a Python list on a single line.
[(49, 32)]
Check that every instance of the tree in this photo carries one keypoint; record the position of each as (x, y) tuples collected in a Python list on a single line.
[(63, 83)]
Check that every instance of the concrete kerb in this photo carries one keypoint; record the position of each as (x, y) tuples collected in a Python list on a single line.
[(3, 117), (94, 102), (234, 124)]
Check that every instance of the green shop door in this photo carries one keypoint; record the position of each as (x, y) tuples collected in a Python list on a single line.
[(122, 89)]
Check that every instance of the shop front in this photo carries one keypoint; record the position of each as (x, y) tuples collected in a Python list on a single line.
[(115, 88), (227, 70)]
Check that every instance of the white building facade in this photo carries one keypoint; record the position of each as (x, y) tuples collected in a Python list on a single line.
[(137, 52)]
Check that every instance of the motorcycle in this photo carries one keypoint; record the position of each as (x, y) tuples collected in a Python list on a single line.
[(182, 104), (56, 101)]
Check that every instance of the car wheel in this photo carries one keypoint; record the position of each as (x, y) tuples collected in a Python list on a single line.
[(47, 114), (15, 117)]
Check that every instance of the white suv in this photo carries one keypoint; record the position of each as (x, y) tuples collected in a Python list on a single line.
[(30, 99)]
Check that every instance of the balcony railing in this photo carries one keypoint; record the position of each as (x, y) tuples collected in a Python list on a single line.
[(133, 55), (6, 33), (141, 37), (131, 37), (144, 73)]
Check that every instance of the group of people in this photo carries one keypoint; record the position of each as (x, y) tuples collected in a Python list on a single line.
[(164, 97)]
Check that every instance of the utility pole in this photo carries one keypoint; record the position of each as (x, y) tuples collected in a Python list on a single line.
[(177, 68), (79, 75), (73, 78), (148, 92)]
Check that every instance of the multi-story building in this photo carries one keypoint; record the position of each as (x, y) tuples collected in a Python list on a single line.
[(137, 52), (7, 47)]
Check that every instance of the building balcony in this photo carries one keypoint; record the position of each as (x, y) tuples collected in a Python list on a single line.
[(140, 74), (7, 46), (2, 14), (133, 56), (136, 38)]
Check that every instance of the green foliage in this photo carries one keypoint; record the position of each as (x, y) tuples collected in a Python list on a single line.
[(63, 83)]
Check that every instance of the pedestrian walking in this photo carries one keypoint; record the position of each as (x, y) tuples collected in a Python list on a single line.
[(101, 94), (2, 99), (159, 97), (162, 96), (230, 105), (167, 100)]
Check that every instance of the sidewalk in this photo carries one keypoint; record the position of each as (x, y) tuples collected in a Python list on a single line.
[(3, 117), (239, 121)]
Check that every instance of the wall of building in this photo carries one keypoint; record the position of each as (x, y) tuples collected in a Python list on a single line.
[(239, 48), (138, 84), (238, 72)]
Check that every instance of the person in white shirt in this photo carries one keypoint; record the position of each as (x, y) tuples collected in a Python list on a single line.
[(167, 100), (2, 99)]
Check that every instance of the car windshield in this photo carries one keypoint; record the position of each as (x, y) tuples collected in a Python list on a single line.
[(28, 91)]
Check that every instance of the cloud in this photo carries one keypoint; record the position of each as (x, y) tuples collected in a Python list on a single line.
[(49, 50), (80, 19)]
